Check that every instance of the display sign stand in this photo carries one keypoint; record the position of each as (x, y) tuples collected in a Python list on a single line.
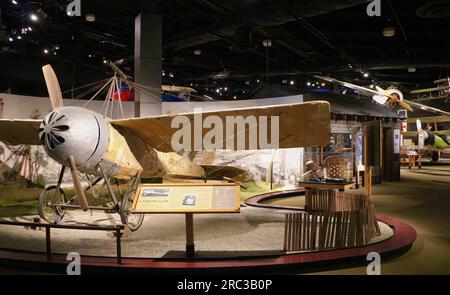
[(190, 246)]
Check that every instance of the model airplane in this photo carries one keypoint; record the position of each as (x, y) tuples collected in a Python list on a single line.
[(91, 143), (441, 91), (385, 96), (435, 141)]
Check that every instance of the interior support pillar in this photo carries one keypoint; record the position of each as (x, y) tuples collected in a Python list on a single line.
[(147, 63)]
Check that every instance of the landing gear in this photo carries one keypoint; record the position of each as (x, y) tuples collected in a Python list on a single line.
[(132, 220), (48, 199), (53, 203)]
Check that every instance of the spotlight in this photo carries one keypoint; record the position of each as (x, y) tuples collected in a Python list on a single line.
[(323, 84), (14, 2), (30, 29), (308, 84), (11, 39), (19, 37), (372, 86), (234, 97), (46, 51), (217, 90), (90, 17), (226, 89), (366, 75), (267, 43), (292, 82), (34, 17), (388, 32), (197, 52)]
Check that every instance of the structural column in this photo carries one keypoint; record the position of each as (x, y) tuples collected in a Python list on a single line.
[(147, 64)]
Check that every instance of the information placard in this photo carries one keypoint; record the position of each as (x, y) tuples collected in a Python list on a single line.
[(187, 198)]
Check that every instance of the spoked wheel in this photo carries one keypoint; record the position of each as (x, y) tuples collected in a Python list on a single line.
[(47, 199), (132, 220)]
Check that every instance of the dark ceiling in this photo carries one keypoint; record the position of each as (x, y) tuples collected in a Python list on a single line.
[(334, 37)]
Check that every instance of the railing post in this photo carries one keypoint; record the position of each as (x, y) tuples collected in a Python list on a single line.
[(118, 246), (48, 243)]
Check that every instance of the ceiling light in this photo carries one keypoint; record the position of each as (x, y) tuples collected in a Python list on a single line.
[(366, 75), (267, 43), (11, 39), (226, 89), (19, 37), (388, 32), (372, 86), (34, 17), (90, 17), (309, 83), (46, 51), (171, 75), (234, 97), (217, 90), (323, 84), (292, 82), (197, 52), (411, 70), (30, 29), (14, 2)]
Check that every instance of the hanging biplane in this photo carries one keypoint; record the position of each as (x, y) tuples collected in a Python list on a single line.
[(388, 97), (441, 91), (133, 148), (435, 141)]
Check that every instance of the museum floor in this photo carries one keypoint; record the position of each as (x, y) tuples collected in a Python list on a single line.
[(421, 199)]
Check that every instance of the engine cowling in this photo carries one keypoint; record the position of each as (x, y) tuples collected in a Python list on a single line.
[(77, 132)]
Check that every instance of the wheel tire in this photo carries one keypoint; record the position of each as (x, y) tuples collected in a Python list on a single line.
[(46, 200), (132, 221)]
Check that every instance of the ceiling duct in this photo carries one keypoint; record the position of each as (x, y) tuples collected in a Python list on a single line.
[(434, 9), (243, 39), (272, 15)]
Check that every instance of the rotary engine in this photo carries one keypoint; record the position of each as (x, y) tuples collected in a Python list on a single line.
[(77, 132)]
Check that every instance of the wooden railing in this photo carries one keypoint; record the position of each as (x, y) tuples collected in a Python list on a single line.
[(118, 229)]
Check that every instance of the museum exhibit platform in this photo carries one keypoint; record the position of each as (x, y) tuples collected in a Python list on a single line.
[(250, 240)]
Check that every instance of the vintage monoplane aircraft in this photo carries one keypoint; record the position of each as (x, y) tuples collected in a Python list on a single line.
[(436, 141), (132, 148), (389, 97)]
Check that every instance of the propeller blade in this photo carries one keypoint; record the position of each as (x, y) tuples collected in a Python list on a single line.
[(77, 184), (54, 91), (405, 105), (418, 125)]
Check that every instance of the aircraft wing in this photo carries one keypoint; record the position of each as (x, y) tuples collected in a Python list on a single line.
[(20, 131), (359, 89), (300, 125), (426, 108)]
